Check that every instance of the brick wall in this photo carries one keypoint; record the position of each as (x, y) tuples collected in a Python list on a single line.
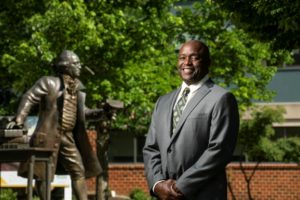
[(271, 181), (276, 181), (124, 178)]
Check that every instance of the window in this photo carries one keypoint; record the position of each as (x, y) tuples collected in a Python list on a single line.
[(125, 148)]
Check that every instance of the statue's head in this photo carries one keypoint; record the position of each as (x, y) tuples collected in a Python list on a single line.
[(68, 63)]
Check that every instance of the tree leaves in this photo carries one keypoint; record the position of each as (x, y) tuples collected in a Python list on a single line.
[(240, 62), (131, 48), (274, 21)]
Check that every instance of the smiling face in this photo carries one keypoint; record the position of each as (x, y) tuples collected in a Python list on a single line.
[(193, 61)]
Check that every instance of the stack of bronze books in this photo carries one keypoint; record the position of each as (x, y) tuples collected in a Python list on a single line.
[(12, 138)]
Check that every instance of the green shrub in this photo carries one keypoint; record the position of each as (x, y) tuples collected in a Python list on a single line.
[(138, 194), (7, 194)]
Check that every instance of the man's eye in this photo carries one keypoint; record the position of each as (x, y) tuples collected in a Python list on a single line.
[(195, 58), (181, 58)]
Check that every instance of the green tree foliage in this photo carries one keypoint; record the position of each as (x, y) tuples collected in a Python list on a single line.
[(139, 194), (256, 134), (7, 194), (130, 46), (258, 141), (126, 44), (285, 149), (240, 62), (269, 20)]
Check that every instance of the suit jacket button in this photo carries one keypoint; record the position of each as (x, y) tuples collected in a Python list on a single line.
[(169, 150)]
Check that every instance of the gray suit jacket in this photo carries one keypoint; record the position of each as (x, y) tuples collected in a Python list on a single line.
[(201, 146)]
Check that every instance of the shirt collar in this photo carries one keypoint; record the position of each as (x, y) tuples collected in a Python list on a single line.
[(195, 86)]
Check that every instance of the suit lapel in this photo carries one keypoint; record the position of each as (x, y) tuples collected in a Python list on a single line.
[(197, 98), (173, 98)]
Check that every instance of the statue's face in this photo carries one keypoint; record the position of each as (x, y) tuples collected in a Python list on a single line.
[(74, 67)]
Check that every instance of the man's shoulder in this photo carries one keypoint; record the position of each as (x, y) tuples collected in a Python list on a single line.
[(166, 99), (49, 78), (219, 89), (169, 94), (218, 92), (48, 81), (216, 88)]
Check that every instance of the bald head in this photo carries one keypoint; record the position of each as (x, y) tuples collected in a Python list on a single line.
[(193, 61), (202, 50)]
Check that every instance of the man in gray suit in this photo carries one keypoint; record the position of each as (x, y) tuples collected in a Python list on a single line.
[(192, 134)]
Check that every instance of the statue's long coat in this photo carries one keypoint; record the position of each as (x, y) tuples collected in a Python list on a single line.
[(48, 93)]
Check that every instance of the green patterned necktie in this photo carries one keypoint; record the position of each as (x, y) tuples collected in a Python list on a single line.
[(179, 106)]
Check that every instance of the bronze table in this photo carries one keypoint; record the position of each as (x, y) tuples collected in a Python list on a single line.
[(31, 154)]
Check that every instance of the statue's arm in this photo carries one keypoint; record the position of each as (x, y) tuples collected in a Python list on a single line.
[(29, 99), (94, 114)]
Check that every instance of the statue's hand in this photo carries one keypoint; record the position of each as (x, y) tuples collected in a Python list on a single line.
[(112, 115), (97, 113), (14, 125)]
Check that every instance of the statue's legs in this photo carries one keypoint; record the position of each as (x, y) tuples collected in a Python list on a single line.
[(80, 189), (71, 160), (40, 189)]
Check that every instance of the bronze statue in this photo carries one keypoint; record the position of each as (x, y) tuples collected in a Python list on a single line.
[(61, 124)]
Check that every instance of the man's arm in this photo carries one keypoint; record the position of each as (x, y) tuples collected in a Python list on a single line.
[(222, 139), (151, 154), (158, 185), (30, 98)]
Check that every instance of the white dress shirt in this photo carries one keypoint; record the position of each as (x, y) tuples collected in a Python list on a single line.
[(193, 89)]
